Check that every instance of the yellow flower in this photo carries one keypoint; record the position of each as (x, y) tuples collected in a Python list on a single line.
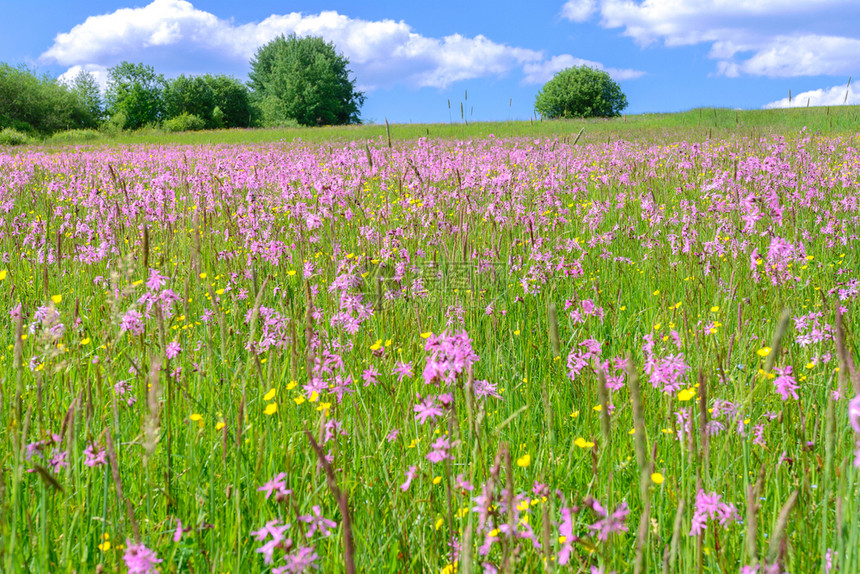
[(524, 461), (85, 341), (377, 345), (426, 334), (271, 408), (56, 299), (763, 352), (656, 293), (810, 365), (657, 478), (597, 408), (517, 332), (219, 425), (437, 480), (291, 385), (582, 443), (299, 400), (686, 394), (196, 418), (439, 523), (270, 395), (3, 274), (623, 308), (574, 414), (203, 276), (105, 546), (714, 309), (656, 326), (291, 272)]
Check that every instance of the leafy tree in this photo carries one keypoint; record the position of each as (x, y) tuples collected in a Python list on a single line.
[(135, 91), (580, 92), (305, 80), (31, 103), (233, 100), (189, 95), (86, 90)]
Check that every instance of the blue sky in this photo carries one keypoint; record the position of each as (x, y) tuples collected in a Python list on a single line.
[(411, 58)]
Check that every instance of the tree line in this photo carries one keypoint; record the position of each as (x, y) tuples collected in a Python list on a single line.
[(293, 81)]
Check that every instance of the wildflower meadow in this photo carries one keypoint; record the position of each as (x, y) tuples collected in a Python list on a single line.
[(437, 355)]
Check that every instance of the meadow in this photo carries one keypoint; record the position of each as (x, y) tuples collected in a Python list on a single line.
[(494, 353)]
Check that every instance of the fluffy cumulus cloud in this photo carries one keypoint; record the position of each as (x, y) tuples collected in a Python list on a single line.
[(774, 38), (835, 96), (382, 53), (543, 71)]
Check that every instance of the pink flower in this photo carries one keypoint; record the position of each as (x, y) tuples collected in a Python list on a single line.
[(785, 383), (139, 559)]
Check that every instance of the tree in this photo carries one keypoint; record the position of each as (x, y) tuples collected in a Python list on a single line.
[(136, 92), (305, 80), (233, 100), (580, 92), (86, 90), (189, 95), (31, 103)]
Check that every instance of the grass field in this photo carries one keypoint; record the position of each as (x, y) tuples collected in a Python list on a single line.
[(696, 125), (462, 354)]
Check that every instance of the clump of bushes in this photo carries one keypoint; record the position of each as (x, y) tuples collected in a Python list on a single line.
[(11, 136), (184, 122)]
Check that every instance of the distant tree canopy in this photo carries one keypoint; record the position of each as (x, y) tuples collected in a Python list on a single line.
[(220, 101), (35, 104), (580, 92), (304, 80), (136, 92)]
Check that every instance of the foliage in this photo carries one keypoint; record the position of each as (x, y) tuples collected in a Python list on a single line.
[(77, 136), (592, 358), (35, 104), (11, 137), (135, 91), (306, 80), (86, 89), (233, 100), (580, 92), (186, 95), (184, 122)]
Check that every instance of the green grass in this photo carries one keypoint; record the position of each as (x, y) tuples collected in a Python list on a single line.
[(228, 228), (694, 125)]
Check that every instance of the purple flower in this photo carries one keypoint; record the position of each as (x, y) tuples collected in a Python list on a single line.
[(410, 476), (370, 375), (785, 383), (94, 455), (277, 486), (578, 358), (172, 350), (318, 522), (428, 408), (854, 413), (710, 505), (302, 560), (403, 370), (608, 523), (132, 321), (440, 450), (139, 559)]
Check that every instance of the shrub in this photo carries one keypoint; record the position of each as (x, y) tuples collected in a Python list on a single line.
[(184, 122), (76, 136), (10, 136), (580, 92)]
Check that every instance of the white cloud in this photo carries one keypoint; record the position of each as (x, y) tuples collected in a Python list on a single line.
[(578, 10), (173, 33), (835, 96), (540, 72), (775, 38), (98, 72)]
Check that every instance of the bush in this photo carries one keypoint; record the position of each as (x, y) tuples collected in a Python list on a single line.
[(76, 136), (580, 92), (10, 136), (184, 122)]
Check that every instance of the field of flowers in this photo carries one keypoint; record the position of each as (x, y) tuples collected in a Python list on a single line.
[(495, 355)]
